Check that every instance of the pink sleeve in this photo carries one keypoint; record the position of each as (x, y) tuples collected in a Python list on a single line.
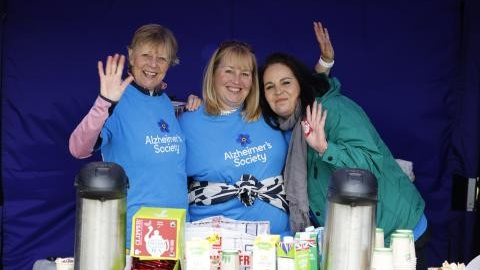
[(83, 138)]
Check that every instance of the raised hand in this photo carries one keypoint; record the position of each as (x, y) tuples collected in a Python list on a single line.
[(314, 127), (326, 48), (111, 84)]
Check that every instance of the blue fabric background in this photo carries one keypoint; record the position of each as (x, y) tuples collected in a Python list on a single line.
[(414, 66)]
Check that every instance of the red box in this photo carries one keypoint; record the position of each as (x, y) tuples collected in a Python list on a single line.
[(157, 233)]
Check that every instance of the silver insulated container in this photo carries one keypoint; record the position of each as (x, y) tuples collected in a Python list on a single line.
[(350, 224), (100, 217)]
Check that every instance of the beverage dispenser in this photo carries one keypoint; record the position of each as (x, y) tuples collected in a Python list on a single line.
[(350, 222), (100, 217)]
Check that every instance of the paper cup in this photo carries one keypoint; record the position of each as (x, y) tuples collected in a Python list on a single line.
[(382, 259), (64, 263), (400, 245), (379, 235), (412, 241)]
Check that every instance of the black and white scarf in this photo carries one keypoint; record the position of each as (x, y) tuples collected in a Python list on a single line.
[(247, 189)]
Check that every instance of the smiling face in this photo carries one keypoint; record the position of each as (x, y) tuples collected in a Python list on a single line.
[(149, 64), (232, 81), (281, 88)]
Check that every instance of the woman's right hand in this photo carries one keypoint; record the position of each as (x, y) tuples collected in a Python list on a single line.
[(314, 127), (111, 84)]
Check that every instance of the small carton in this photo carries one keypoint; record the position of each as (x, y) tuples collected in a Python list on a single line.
[(265, 251), (158, 234), (197, 253), (286, 254), (306, 250)]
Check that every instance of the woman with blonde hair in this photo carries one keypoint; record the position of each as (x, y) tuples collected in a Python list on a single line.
[(234, 158)]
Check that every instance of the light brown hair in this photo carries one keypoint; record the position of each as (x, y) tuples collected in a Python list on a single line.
[(156, 34)]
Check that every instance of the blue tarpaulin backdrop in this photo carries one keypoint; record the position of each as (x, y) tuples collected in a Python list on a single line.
[(414, 66)]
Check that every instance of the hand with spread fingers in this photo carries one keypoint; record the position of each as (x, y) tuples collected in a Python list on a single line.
[(326, 48), (111, 84), (316, 127)]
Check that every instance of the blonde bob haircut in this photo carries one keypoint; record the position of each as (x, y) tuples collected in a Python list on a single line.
[(241, 53), (155, 35)]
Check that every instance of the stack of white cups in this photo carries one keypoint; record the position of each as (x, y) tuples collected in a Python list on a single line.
[(382, 259), (379, 235), (403, 249)]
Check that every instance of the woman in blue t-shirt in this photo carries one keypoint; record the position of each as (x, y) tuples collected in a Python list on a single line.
[(133, 123), (234, 157)]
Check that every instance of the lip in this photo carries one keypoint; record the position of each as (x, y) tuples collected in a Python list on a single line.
[(280, 100)]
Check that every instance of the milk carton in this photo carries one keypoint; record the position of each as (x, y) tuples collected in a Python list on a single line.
[(264, 252), (306, 250), (197, 254), (286, 254)]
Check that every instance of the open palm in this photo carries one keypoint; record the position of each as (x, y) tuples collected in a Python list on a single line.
[(316, 120), (111, 84)]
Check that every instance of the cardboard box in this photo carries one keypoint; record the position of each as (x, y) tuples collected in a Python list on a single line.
[(158, 234)]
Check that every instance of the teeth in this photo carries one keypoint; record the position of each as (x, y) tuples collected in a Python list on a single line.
[(150, 73), (234, 89)]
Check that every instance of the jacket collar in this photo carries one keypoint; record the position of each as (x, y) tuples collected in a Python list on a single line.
[(158, 91)]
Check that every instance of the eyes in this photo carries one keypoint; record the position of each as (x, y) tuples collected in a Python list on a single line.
[(232, 71), (270, 85), (160, 60)]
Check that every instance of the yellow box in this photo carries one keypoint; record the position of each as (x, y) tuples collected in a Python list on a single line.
[(158, 233)]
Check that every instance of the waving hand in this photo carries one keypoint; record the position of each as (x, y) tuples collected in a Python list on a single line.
[(111, 84)]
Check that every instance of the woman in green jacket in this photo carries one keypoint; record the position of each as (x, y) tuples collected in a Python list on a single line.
[(297, 101)]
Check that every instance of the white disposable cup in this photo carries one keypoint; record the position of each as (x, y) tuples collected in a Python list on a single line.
[(412, 242), (379, 235), (64, 263), (382, 259), (400, 245)]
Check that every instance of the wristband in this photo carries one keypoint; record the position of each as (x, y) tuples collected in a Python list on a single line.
[(324, 64), (107, 99)]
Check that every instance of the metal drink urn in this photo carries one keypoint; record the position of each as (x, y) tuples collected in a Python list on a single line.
[(350, 222), (100, 217)]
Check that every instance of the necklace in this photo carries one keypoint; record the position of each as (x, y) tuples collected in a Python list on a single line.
[(227, 112)]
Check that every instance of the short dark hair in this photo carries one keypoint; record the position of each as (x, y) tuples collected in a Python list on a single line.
[(311, 85)]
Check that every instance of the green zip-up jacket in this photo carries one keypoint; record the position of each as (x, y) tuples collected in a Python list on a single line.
[(353, 142)]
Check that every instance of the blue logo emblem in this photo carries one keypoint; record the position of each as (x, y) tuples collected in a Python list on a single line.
[(163, 126), (244, 139)]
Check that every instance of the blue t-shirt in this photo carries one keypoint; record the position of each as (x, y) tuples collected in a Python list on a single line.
[(222, 149), (144, 137)]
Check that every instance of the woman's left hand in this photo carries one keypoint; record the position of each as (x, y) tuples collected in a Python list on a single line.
[(326, 48), (314, 128), (193, 103)]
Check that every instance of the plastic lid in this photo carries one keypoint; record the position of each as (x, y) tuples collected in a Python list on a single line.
[(101, 181), (353, 186)]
